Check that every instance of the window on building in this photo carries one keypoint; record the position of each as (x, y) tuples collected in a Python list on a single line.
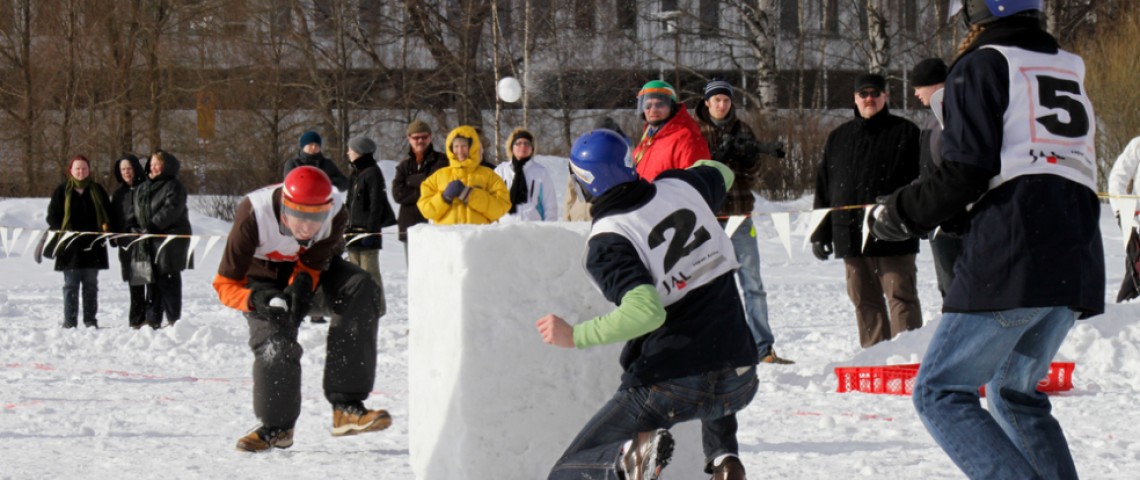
[(830, 18), (371, 15), (626, 15), (280, 16), (542, 16), (584, 11), (710, 18), (908, 15), (790, 17)]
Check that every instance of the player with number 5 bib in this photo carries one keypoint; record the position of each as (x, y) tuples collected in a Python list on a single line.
[(1020, 169)]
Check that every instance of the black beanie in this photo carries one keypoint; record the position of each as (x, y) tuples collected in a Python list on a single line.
[(931, 71)]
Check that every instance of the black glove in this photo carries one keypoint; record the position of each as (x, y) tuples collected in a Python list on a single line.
[(724, 149), (821, 250), (456, 189), (747, 148), (775, 149), (886, 224), (300, 295), (270, 304)]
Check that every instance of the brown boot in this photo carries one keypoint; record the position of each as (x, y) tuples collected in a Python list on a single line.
[(265, 438), (729, 469), (647, 455), (772, 358), (353, 418)]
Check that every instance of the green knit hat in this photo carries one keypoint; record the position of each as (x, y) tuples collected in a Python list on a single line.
[(658, 89)]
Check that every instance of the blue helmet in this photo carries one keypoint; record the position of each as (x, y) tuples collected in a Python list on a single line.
[(600, 160), (981, 12)]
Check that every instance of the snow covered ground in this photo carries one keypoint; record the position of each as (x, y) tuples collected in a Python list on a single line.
[(120, 403)]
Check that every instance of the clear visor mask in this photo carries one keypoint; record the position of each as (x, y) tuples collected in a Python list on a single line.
[(308, 213)]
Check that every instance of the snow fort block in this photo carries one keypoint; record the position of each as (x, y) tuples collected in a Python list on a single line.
[(486, 397)]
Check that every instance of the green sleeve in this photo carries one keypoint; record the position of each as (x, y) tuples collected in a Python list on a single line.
[(729, 177), (640, 312)]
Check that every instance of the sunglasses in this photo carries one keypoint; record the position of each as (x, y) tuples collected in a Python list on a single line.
[(870, 93), (522, 143), (420, 137)]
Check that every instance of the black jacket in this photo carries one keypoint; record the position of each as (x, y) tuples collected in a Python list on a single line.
[(328, 166), (367, 202), (1033, 241), (83, 251), (735, 145), (123, 210), (864, 159), (160, 207), (705, 330), (406, 186)]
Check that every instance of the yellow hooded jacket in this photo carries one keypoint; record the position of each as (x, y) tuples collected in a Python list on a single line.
[(489, 198)]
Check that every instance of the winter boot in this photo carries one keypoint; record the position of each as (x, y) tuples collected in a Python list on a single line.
[(647, 455), (774, 359), (353, 418), (265, 438), (729, 469)]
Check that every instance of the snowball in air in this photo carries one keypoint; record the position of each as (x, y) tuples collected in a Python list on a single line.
[(509, 89)]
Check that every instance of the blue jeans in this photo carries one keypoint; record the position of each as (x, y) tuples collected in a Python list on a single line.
[(1009, 352), (73, 279), (713, 397), (748, 277)]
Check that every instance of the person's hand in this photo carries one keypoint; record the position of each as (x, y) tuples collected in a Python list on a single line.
[(270, 304), (370, 242), (747, 148), (300, 295), (887, 225), (455, 189), (555, 331), (821, 250)]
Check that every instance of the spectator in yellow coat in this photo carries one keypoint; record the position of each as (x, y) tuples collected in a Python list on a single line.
[(465, 191)]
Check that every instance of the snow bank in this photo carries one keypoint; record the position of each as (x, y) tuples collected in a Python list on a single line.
[(488, 399)]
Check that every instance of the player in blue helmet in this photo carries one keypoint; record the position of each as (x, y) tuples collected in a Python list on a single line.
[(1018, 180), (657, 252), (601, 160), (982, 12)]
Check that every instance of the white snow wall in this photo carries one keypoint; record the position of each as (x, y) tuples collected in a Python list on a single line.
[(487, 399)]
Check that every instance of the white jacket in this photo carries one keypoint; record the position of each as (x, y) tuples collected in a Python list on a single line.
[(542, 194), (1124, 172)]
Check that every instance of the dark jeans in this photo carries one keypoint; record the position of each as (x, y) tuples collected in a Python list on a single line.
[(946, 249), (164, 296), (137, 314), (712, 397), (75, 279), (353, 299)]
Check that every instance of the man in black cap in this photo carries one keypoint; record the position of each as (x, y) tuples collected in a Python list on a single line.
[(928, 78), (310, 154), (873, 154)]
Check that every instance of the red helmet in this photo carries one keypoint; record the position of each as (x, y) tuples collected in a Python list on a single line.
[(307, 193)]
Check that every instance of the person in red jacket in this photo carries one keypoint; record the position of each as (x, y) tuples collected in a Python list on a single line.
[(671, 138)]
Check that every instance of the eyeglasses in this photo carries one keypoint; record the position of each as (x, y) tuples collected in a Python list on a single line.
[(870, 93), (522, 143), (420, 137)]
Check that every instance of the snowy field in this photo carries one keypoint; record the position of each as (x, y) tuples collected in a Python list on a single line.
[(119, 403)]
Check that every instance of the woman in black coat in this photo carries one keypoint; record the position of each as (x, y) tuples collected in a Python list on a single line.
[(129, 173), (161, 209), (79, 205)]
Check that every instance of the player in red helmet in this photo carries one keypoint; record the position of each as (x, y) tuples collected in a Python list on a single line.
[(282, 261)]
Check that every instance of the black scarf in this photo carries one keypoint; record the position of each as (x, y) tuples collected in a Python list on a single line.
[(518, 186)]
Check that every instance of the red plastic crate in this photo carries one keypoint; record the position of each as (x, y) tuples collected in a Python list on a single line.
[(899, 379)]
